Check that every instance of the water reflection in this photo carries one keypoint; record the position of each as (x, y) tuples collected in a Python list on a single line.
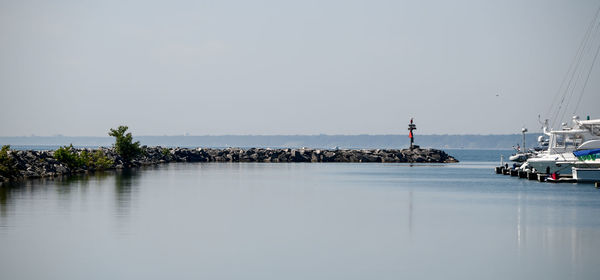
[(558, 225), (410, 212), (5, 196), (519, 221), (126, 185), (332, 217), (67, 189)]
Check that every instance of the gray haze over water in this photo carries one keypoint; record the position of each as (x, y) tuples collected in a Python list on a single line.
[(295, 67)]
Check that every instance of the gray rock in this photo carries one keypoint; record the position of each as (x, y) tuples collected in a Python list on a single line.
[(35, 163)]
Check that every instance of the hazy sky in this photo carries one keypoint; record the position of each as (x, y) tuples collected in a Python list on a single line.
[(287, 67)]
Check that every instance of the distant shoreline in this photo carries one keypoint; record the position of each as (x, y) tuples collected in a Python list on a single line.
[(54, 147), (495, 142)]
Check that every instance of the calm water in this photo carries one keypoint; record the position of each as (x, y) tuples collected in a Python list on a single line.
[(301, 221)]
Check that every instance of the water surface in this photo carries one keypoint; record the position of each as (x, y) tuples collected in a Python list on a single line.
[(300, 221)]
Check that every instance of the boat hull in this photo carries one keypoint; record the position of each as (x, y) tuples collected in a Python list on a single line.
[(586, 174), (552, 164)]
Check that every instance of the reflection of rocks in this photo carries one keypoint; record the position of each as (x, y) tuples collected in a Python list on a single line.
[(34, 164), (125, 181), (63, 185), (5, 193)]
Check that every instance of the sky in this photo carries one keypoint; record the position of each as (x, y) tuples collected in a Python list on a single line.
[(79, 68)]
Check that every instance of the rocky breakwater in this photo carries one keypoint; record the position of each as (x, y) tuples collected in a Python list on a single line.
[(36, 164)]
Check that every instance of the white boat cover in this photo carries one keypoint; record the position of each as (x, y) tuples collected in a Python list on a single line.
[(590, 122)]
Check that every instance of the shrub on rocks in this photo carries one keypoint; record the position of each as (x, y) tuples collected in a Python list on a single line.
[(8, 168), (96, 160), (165, 152), (84, 159), (124, 144), (68, 155)]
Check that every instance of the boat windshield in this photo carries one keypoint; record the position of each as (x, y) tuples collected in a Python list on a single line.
[(566, 140), (559, 141), (577, 140)]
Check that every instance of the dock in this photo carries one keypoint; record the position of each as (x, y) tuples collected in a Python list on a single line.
[(535, 176)]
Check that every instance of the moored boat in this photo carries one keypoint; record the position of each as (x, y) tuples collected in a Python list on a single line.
[(567, 148)]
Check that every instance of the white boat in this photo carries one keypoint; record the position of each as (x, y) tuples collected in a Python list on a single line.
[(522, 154), (568, 143), (586, 174), (520, 157), (582, 136)]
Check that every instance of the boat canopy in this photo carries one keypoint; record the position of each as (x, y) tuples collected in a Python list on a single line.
[(589, 145), (573, 131), (586, 152)]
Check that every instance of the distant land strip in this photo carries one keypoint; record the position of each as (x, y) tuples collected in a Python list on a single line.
[(322, 141)]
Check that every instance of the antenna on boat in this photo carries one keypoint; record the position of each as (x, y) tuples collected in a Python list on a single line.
[(523, 130)]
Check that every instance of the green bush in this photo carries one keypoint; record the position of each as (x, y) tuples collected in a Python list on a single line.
[(7, 164), (73, 159), (166, 152), (100, 161), (124, 144), (68, 155)]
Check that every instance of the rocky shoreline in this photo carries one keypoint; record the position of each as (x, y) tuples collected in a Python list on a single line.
[(39, 164)]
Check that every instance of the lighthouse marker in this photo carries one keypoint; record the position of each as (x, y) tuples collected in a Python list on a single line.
[(411, 127)]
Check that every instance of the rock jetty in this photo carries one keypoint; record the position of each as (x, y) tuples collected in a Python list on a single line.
[(36, 164)]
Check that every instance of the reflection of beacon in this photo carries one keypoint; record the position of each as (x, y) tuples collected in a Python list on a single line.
[(411, 127)]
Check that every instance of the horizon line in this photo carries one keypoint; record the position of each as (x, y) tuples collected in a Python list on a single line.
[(271, 135)]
